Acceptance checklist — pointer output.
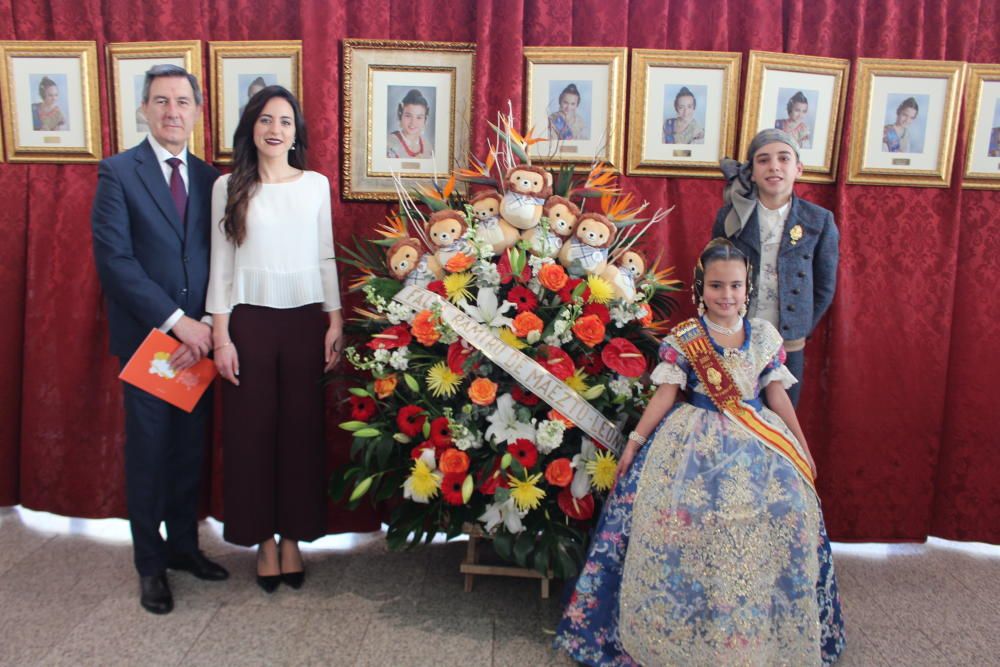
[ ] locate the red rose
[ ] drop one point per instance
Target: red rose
(556, 361)
(441, 433)
(523, 396)
(559, 472)
(410, 420)
(362, 408)
(598, 309)
(451, 488)
(589, 330)
(524, 451)
(391, 338)
(523, 298)
(624, 358)
(454, 462)
(580, 509)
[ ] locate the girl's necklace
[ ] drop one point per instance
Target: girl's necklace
(718, 328)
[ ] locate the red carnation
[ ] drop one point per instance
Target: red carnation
(492, 479)
(437, 286)
(362, 408)
(441, 433)
(451, 488)
(556, 361)
(523, 298)
(590, 363)
(624, 358)
(580, 509)
(524, 451)
(598, 309)
(410, 420)
(523, 396)
(506, 274)
(458, 353)
(391, 338)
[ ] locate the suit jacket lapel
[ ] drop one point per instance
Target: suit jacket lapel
(195, 195)
(151, 175)
(751, 236)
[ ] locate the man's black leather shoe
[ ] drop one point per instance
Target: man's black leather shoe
(155, 594)
(196, 563)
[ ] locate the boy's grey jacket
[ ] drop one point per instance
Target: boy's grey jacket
(807, 270)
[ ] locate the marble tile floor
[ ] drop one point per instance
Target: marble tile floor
(69, 597)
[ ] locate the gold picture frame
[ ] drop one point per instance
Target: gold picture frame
(597, 75)
(664, 79)
(982, 127)
(379, 77)
(70, 129)
(127, 64)
(776, 85)
(905, 121)
(239, 67)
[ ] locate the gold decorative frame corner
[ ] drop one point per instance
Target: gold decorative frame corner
(977, 75)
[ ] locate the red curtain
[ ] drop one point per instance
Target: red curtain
(896, 404)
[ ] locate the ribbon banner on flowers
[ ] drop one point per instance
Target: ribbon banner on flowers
(521, 367)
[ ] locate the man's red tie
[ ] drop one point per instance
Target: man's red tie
(177, 190)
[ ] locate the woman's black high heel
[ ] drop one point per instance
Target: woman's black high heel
(269, 582)
(294, 579)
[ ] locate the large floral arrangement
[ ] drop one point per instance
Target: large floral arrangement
(448, 438)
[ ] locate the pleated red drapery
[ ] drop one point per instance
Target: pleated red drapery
(898, 401)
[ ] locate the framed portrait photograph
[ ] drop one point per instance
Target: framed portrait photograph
(682, 119)
(240, 69)
(804, 96)
(407, 111)
(127, 66)
(905, 121)
(574, 97)
(982, 128)
(50, 101)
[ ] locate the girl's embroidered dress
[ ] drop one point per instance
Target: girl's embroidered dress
(711, 550)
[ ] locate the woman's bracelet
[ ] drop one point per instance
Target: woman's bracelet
(219, 347)
(637, 439)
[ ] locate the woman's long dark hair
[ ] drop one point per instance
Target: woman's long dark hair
(245, 179)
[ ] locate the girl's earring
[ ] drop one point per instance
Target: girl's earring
(701, 308)
(743, 310)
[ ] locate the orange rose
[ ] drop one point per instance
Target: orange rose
(646, 319)
(558, 417)
(423, 328)
(459, 263)
(482, 391)
(589, 329)
(527, 322)
(453, 462)
(553, 277)
(559, 472)
(385, 386)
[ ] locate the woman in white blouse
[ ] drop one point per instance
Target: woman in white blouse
(273, 277)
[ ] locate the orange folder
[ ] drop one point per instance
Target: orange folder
(148, 370)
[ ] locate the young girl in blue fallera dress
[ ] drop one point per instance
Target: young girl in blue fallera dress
(711, 549)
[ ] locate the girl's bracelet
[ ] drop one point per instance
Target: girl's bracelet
(219, 347)
(637, 439)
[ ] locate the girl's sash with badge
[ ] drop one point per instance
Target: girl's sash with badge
(725, 395)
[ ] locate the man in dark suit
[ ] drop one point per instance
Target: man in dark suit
(793, 245)
(151, 224)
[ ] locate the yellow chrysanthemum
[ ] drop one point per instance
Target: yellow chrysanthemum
(509, 337)
(577, 381)
(442, 381)
(423, 482)
(526, 495)
(456, 285)
(600, 289)
(602, 470)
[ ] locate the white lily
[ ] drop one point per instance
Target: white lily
(487, 311)
(504, 424)
(580, 486)
(506, 513)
